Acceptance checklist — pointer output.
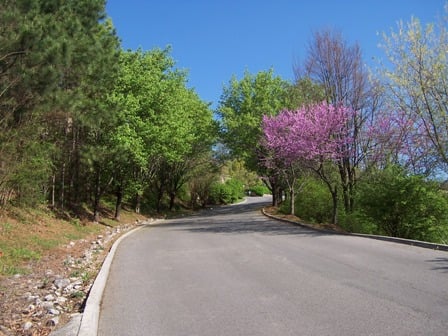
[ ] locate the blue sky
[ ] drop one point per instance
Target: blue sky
(214, 40)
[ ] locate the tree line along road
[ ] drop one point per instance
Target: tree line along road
(232, 271)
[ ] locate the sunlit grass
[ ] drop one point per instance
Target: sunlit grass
(26, 235)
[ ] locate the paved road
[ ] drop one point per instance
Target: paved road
(231, 271)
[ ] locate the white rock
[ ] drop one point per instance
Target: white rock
(61, 283)
(27, 325)
(62, 299)
(32, 298)
(49, 297)
(47, 305)
(54, 312)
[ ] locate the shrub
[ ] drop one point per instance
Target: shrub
(225, 193)
(313, 203)
(258, 190)
(403, 205)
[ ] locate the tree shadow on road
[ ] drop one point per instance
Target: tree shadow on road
(236, 219)
(265, 226)
(439, 264)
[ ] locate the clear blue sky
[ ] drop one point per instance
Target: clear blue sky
(214, 39)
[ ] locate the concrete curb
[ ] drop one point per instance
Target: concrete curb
(433, 246)
(90, 316)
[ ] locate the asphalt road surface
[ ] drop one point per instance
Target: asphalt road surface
(232, 271)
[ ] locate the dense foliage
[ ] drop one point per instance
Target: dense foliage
(403, 205)
(310, 137)
(228, 192)
(81, 119)
(350, 132)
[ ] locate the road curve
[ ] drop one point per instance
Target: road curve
(232, 271)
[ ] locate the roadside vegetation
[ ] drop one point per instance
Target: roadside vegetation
(361, 149)
(88, 129)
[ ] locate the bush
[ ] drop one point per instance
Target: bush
(314, 203)
(358, 222)
(402, 205)
(226, 193)
(258, 190)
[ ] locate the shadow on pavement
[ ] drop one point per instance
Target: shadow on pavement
(439, 264)
(236, 219)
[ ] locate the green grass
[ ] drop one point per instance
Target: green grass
(24, 253)
(13, 258)
(6, 228)
(28, 234)
(45, 244)
(6, 269)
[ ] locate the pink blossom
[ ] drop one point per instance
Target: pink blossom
(318, 132)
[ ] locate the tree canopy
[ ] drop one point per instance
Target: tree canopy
(81, 119)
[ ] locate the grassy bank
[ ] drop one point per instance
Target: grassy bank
(26, 235)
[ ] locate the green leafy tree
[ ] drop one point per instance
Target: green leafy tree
(163, 126)
(403, 205)
(136, 157)
(242, 106)
(203, 176)
(188, 132)
(241, 109)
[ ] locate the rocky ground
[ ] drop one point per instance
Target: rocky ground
(56, 287)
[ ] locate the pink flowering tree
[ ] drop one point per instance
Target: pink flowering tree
(316, 136)
(399, 138)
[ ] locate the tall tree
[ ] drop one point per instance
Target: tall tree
(28, 52)
(135, 93)
(57, 63)
(241, 109)
(338, 68)
(163, 126)
(313, 136)
(417, 85)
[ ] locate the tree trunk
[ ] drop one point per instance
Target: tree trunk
(343, 172)
(118, 203)
(97, 196)
(334, 196)
(53, 190)
(62, 201)
(172, 199)
(271, 183)
(291, 200)
(138, 199)
(275, 196)
(159, 200)
(333, 191)
(348, 180)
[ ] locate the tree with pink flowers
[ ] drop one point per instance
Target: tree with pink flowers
(317, 136)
